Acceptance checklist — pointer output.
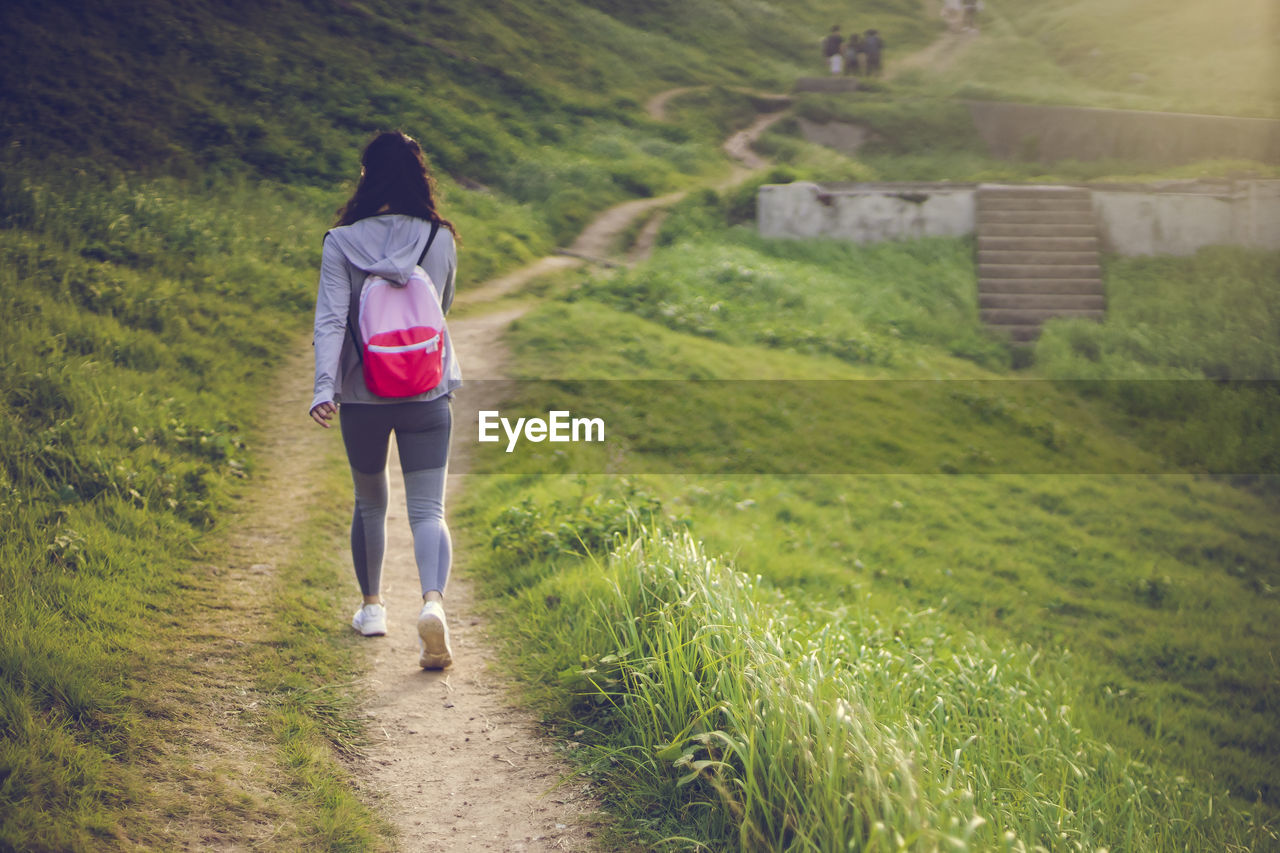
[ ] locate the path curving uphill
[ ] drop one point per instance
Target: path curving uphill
(459, 767)
(455, 764)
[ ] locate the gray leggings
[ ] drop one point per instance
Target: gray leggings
(422, 438)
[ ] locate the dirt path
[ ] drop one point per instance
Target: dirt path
(454, 764)
(940, 55)
(738, 146)
(656, 106)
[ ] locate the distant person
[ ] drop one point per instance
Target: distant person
(388, 227)
(852, 49)
(952, 14)
(971, 10)
(872, 49)
(831, 50)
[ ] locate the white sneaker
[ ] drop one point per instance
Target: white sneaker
(433, 637)
(371, 620)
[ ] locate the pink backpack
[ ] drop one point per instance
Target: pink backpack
(402, 332)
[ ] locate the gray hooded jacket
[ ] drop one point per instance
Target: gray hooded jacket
(389, 246)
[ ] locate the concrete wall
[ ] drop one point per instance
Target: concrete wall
(841, 136)
(865, 213)
(1047, 133)
(1170, 218)
(1177, 218)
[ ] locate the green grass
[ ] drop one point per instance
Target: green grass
(1198, 334)
(488, 89)
(1146, 602)
(163, 190)
(1209, 316)
(158, 262)
(795, 295)
(137, 315)
(721, 712)
(1179, 56)
(1182, 56)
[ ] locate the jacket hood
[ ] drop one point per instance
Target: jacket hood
(387, 245)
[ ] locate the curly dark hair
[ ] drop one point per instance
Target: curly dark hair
(394, 178)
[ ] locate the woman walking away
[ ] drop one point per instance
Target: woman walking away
(384, 364)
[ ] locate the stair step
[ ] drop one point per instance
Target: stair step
(1051, 301)
(986, 203)
(1019, 333)
(1089, 286)
(1037, 258)
(1037, 229)
(1057, 216)
(1030, 256)
(986, 271)
(1027, 316)
(1037, 243)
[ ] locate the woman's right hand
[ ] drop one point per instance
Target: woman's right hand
(323, 412)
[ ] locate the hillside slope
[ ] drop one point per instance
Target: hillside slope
(166, 170)
(289, 89)
(1186, 56)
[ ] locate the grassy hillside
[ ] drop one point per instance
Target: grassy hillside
(166, 171)
(288, 92)
(1187, 56)
(1137, 607)
(143, 312)
(135, 321)
(289, 89)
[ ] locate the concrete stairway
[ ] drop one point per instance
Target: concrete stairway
(1037, 257)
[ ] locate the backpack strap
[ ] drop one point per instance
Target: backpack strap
(435, 228)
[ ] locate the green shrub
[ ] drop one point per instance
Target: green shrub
(721, 713)
(1187, 352)
(862, 304)
(922, 125)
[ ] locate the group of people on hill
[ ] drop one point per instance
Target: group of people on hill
(859, 54)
